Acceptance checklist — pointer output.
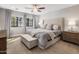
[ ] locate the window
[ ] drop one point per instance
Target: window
(29, 22)
(16, 21)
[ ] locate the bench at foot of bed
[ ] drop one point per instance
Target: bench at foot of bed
(29, 41)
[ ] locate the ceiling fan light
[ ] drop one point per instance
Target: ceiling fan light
(35, 9)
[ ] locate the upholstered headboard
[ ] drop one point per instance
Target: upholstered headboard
(55, 21)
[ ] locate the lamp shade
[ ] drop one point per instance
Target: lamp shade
(71, 23)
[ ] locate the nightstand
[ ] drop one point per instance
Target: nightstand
(71, 37)
(3, 42)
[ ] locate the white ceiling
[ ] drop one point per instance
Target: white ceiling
(48, 7)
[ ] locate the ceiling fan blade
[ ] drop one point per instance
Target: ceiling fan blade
(41, 8)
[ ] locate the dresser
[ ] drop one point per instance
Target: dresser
(3, 40)
(71, 37)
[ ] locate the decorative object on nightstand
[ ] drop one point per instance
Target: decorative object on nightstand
(71, 25)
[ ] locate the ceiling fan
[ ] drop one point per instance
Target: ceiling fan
(36, 8)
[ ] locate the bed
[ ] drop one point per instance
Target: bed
(45, 37)
(48, 32)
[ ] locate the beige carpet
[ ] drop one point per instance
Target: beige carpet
(14, 46)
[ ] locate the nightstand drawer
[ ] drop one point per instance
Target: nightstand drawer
(71, 34)
(71, 37)
(3, 44)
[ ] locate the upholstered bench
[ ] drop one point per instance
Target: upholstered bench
(28, 40)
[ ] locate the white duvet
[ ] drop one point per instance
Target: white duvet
(50, 32)
(43, 40)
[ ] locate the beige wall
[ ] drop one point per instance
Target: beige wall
(2, 19)
(71, 13)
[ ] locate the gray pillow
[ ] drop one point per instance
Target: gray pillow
(49, 27)
(56, 27)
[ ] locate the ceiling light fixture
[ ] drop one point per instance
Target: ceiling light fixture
(35, 8)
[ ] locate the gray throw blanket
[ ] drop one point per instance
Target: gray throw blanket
(42, 39)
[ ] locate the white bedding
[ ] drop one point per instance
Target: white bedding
(50, 32)
(43, 35)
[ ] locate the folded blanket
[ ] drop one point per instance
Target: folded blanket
(42, 39)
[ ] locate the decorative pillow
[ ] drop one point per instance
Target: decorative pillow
(49, 26)
(55, 27)
(43, 26)
(52, 27)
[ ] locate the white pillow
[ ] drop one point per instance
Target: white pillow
(48, 26)
(55, 27)
(43, 26)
